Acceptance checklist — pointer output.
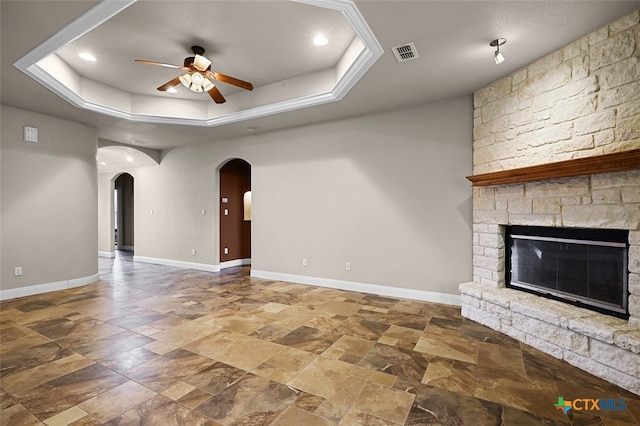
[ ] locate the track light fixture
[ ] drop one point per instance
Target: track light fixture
(497, 56)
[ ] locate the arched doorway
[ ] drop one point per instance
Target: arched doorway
(235, 213)
(123, 208)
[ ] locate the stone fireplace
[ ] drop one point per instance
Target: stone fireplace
(582, 101)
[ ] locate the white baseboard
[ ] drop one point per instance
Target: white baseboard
(235, 262)
(13, 293)
(404, 293)
(109, 254)
(177, 263)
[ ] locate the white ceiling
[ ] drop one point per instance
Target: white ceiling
(268, 43)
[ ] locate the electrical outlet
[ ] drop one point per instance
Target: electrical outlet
(193, 252)
(304, 262)
(347, 266)
(18, 271)
(226, 250)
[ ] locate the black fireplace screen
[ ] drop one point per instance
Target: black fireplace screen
(585, 267)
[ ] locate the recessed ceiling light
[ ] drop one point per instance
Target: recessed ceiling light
(172, 90)
(320, 41)
(130, 159)
(87, 56)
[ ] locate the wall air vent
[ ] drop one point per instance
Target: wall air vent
(405, 52)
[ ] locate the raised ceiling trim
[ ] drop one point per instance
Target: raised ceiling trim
(106, 9)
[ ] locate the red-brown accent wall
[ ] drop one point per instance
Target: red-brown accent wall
(235, 232)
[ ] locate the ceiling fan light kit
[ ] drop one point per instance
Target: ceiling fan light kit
(199, 75)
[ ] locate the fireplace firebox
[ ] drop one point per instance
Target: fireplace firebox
(583, 267)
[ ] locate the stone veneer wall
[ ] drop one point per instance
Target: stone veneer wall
(582, 100)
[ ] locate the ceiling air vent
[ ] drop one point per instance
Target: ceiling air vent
(405, 52)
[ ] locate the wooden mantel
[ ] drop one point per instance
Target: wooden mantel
(607, 163)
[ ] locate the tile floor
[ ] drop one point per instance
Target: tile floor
(157, 345)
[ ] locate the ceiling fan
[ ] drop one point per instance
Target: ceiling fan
(199, 76)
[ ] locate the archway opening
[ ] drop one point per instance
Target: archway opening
(235, 223)
(123, 213)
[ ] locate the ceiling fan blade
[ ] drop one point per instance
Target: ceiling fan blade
(144, 61)
(230, 80)
(169, 84)
(216, 95)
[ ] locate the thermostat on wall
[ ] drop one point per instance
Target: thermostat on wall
(30, 134)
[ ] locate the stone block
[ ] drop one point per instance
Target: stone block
(620, 73)
(569, 201)
(597, 326)
(575, 89)
(619, 95)
(514, 333)
(545, 136)
(509, 192)
(598, 35)
(491, 240)
(628, 109)
(482, 272)
(634, 237)
(534, 219)
(630, 195)
(570, 110)
(621, 146)
(579, 67)
(471, 301)
(606, 196)
(500, 107)
(625, 22)
(545, 64)
(521, 118)
(634, 283)
(601, 216)
(495, 310)
(634, 304)
(496, 90)
(471, 289)
(495, 152)
(493, 283)
(544, 346)
(595, 122)
(629, 339)
(499, 125)
(570, 187)
(628, 129)
(484, 203)
(522, 206)
(548, 311)
(519, 76)
(626, 381)
(615, 357)
(609, 180)
(578, 47)
(555, 335)
(547, 205)
(478, 250)
(575, 144)
(482, 216)
(481, 317)
(604, 137)
(554, 77)
(613, 49)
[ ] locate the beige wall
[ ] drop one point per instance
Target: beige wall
(49, 203)
(385, 192)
